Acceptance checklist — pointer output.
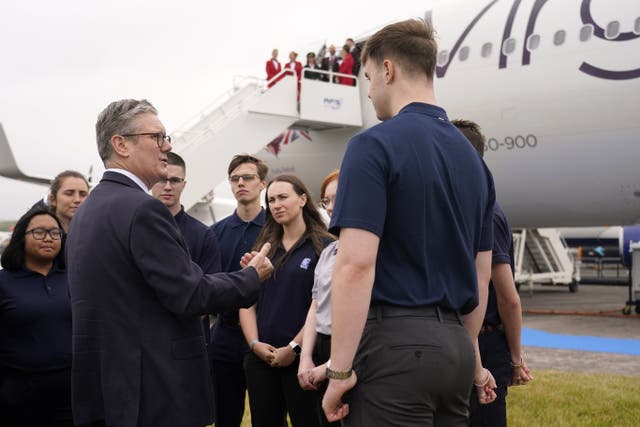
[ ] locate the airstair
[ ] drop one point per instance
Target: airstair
(252, 114)
(542, 256)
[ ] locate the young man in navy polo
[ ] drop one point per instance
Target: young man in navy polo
(499, 338)
(414, 211)
(201, 241)
(237, 234)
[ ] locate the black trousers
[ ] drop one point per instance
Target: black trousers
(495, 355)
(322, 353)
(275, 391)
(229, 390)
(415, 367)
(35, 399)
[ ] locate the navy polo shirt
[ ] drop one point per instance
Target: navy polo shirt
(502, 254)
(201, 242)
(417, 183)
(285, 297)
(236, 237)
(35, 320)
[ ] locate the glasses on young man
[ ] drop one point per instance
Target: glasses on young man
(173, 181)
(160, 137)
(246, 178)
(40, 233)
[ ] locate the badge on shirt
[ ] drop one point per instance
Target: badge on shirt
(305, 263)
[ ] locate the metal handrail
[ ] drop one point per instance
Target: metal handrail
(331, 74)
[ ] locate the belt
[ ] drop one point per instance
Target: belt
(488, 329)
(381, 311)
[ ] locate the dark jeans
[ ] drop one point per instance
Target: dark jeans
(275, 391)
(415, 367)
(495, 355)
(35, 399)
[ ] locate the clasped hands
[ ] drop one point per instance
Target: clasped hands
(280, 357)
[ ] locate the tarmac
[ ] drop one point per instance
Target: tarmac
(583, 331)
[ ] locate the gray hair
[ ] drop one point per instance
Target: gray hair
(118, 119)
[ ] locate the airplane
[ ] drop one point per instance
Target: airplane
(555, 86)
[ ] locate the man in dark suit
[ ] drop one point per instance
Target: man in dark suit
(330, 62)
(139, 355)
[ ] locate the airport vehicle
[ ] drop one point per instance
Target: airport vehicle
(555, 85)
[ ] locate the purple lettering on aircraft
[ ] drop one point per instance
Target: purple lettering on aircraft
(585, 14)
(598, 31)
(533, 17)
(507, 32)
(441, 71)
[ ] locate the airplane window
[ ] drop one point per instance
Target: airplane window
(443, 57)
(559, 36)
(613, 29)
(533, 42)
(586, 32)
(636, 26)
(509, 46)
(464, 53)
(486, 50)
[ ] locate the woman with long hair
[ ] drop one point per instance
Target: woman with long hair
(317, 327)
(35, 326)
(273, 327)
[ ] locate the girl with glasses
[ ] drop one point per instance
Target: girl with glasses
(35, 326)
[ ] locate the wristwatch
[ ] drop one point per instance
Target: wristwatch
(295, 347)
(338, 375)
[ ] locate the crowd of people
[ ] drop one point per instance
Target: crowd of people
(117, 308)
(319, 67)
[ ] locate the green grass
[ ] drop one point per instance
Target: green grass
(567, 399)
(558, 398)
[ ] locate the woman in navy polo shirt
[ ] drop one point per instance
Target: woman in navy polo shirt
(273, 327)
(35, 326)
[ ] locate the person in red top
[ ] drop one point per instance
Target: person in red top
(273, 67)
(296, 66)
(346, 67)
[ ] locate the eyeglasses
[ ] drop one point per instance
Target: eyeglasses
(325, 202)
(247, 177)
(174, 181)
(40, 233)
(160, 137)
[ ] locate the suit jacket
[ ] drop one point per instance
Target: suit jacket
(272, 69)
(139, 355)
(297, 67)
(325, 65)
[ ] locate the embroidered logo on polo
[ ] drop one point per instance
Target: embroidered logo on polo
(305, 263)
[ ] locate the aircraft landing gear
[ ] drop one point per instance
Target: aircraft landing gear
(573, 286)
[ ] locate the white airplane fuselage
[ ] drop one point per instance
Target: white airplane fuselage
(562, 122)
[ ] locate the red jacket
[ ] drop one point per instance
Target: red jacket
(346, 67)
(297, 67)
(273, 68)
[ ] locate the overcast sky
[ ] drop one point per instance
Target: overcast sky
(63, 61)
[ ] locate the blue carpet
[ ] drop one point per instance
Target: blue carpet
(537, 338)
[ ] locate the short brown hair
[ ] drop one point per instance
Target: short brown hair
(239, 159)
(411, 43)
(472, 132)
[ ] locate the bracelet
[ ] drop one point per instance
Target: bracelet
(517, 365)
(484, 383)
(253, 343)
(338, 375)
